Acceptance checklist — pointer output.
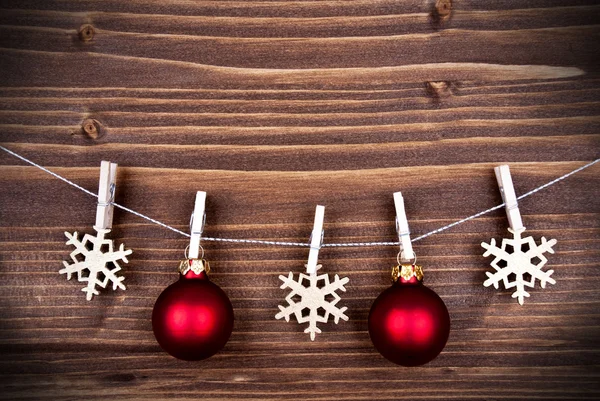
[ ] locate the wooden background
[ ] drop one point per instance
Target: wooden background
(273, 107)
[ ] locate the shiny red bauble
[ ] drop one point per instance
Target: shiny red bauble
(409, 323)
(192, 318)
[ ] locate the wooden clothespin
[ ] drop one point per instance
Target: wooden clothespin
(316, 240)
(106, 195)
(197, 225)
(406, 250)
(507, 190)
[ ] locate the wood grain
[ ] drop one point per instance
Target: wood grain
(272, 107)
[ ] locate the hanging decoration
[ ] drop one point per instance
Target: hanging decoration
(94, 259)
(408, 323)
(519, 261)
(192, 319)
(313, 306)
(313, 299)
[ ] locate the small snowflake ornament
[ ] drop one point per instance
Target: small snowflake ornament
(312, 300)
(98, 254)
(519, 257)
(94, 259)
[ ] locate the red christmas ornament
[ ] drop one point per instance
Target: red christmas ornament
(409, 323)
(192, 318)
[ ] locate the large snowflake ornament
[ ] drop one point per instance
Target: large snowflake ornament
(97, 253)
(516, 258)
(313, 300)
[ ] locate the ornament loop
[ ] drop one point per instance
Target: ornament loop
(400, 257)
(185, 253)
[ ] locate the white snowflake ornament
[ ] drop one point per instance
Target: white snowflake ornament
(94, 268)
(519, 257)
(313, 300)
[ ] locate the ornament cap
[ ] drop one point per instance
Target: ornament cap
(407, 274)
(196, 266)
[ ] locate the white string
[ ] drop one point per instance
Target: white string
(302, 244)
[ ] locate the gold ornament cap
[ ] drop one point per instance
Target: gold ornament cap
(196, 265)
(405, 273)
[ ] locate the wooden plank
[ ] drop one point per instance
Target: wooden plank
(118, 70)
(571, 45)
(310, 158)
(395, 22)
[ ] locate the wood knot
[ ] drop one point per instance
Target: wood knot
(441, 12)
(92, 128)
(86, 32)
(439, 89)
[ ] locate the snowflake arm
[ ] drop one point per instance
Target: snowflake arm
(536, 271)
(335, 312)
(288, 281)
(74, 268)
(79, 249)
(492, 249)
(337, 284)
(330, 307)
